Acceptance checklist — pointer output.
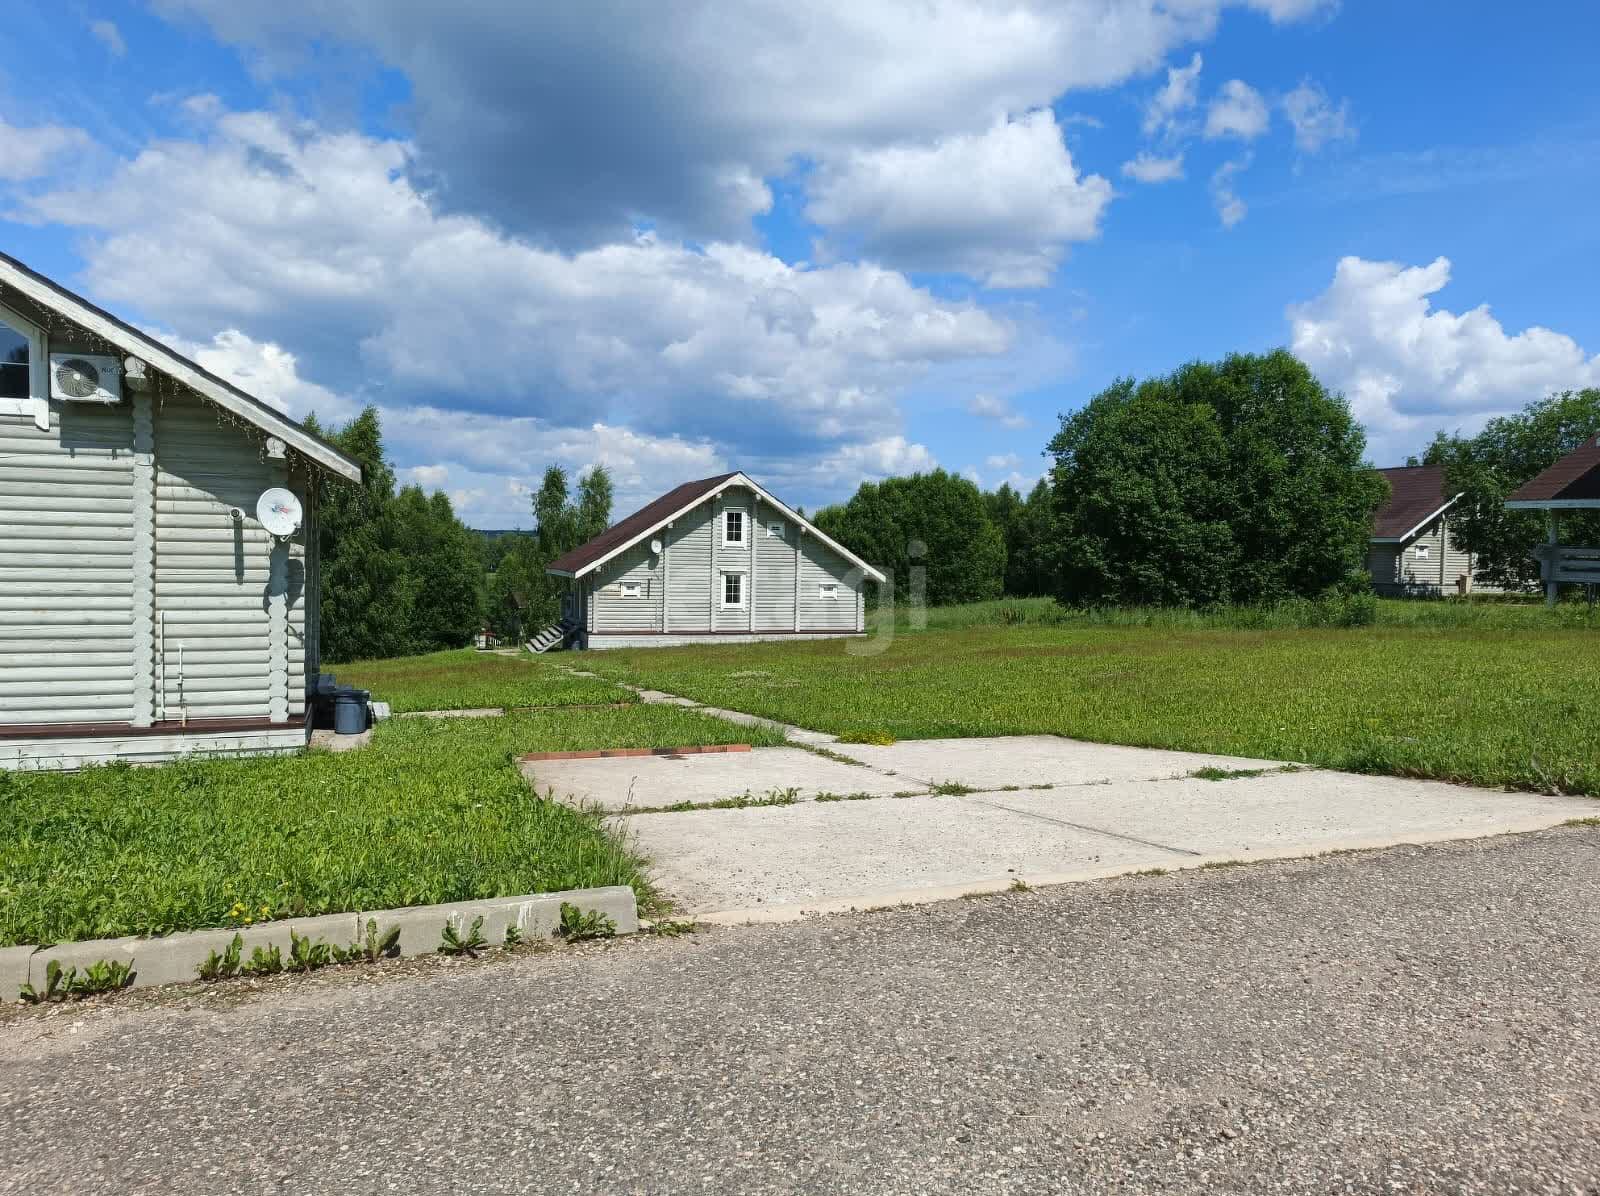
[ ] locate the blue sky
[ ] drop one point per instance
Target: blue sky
(821, 243)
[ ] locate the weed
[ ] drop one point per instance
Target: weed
(844, 797)
(578, 925)
(1018, 885)
(453, 943)
(744, 801)
(264, 961)
(308, 956)
(952, 789)
(875, 738)
(102, 976)
(669, 929)
(1149, 872)
(226, 965)
(377, 946)
(513, 935)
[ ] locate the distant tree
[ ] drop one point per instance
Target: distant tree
(400, 573)
(1031, 553)
(1240, 481)
(1485, 469)
(594, 504)
(935, 521)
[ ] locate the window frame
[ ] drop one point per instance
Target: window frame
(636, 586)
(1421, 551)
(744, 589)
(37, 404)
(744, 527)
(828, 590)
(777, 529)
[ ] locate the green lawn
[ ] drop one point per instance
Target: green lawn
(466, 679)
(1490, 705)
(430, 811)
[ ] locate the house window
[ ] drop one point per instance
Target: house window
(828, 589)
(1421, 550)
(775, 531)
(15, 364)
(632, 589)
(733, 590)
(733, 528)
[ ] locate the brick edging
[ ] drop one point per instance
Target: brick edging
(705, 749)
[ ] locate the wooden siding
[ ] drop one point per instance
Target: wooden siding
(689, 552)
(614, 613)
(1401, 568)
(67, 566)
(820, 564)
(775, 565)
(228, 600)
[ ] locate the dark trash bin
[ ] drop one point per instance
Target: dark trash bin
(350, 711)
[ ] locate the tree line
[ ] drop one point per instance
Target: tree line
(402, 575)
(1236, 482)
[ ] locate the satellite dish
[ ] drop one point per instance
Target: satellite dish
(278, 511)
(655, 547)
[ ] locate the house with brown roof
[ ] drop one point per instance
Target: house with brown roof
(719, 560)
(1412, 551)
(1571, 484)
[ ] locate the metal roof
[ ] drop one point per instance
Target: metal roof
(1416, 499)
(1573, 481)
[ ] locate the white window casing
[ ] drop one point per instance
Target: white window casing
(1421, 550)
(733, 527)
(828, 589)
(631, 589)
(775, 530)
(37, 404)
(735, 590)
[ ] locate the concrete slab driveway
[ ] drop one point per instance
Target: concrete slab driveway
(1040, 810)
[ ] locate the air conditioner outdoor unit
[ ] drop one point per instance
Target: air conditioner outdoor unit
(83, 378)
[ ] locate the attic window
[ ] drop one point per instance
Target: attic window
(1421, 550)
(15, 364)
(733, 527)
(828, 589)
(775, 531)
(631, 589)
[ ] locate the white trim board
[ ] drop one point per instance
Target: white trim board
(738, 479)
(229, 398)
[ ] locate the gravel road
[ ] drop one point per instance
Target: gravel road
(1415, 1020)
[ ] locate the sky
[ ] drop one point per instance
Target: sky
(822, 243)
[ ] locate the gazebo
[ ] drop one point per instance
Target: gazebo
(1571, 484)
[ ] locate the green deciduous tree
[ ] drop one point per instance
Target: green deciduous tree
(1240, 481)
(933, 521)
(1485, 469)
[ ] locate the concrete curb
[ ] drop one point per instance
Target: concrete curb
(176, 958)
(708, 749)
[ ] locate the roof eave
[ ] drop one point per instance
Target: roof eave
(227, 396)
(1552, 504)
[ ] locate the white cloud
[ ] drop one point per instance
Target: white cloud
(27, 152)
(1230, 208)
(1317, 122)
(1409, 368)
(1001, 205)
(1176, 97)
(991, 407)
(264, 370)
(429, 477)
(320, 241)
(1003, 461)
(1150, 168)
(109, 36)
(1237, 111)
(574, 122)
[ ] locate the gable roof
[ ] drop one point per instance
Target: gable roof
(1572, 481)
(1416, 499)
(679, 501)
(52, 295)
